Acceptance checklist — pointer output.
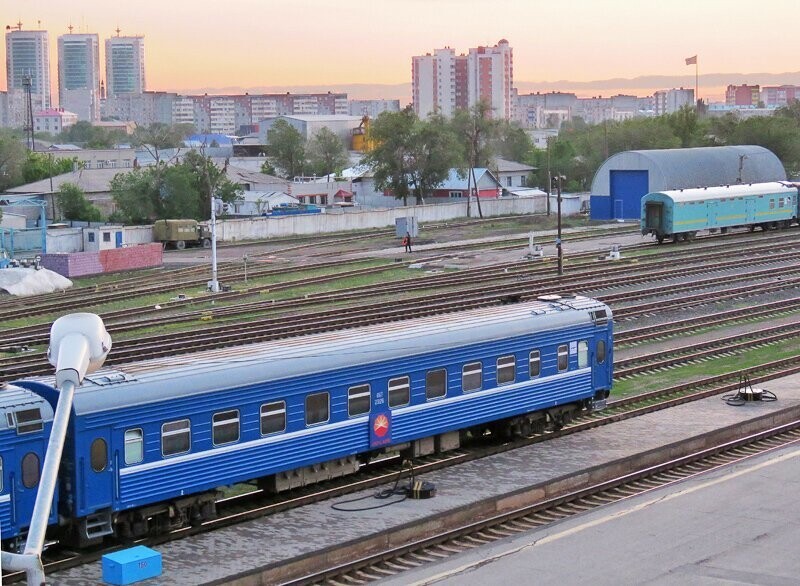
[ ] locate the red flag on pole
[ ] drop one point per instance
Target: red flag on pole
(691, 60)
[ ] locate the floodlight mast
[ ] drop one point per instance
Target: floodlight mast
(79, 344)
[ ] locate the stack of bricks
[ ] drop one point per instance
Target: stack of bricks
(80, 264)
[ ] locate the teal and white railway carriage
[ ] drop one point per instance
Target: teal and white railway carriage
(680, 214)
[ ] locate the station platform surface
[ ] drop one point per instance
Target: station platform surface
(273, 542)
(735, 525)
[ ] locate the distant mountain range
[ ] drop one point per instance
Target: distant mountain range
(711, 85)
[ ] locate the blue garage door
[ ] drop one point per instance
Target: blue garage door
(627, 190)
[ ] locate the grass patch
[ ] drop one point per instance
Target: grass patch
(692, 372)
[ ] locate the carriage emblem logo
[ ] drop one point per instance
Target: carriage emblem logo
(381, 425)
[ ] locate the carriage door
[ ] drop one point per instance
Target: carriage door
(97, 471)
(653, 211)
(601, 354)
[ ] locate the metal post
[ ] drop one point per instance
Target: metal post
(245, 268)
(214, 284)
(558, 240)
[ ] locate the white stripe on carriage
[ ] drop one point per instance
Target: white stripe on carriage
(280, 437)
(5, 498)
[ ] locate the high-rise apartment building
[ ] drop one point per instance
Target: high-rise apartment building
(445, 82)
(490, 78)
(79, 75)
(28, 55)
(125, 66)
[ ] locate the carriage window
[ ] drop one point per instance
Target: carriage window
(98, 454)
(772, 204)
(317, 408)
(399, 391)
(436, 383)
(134, 446)
(583, 354)
(471, 379)
(506, 369)
(535, 363)
(273, 417)
(358, 400)
(225, 427)
(780, 202)
(601, 351)
(176, 437)
(29, 421)
(563, 358)
(30, 470)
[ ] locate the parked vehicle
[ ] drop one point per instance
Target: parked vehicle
(182, 233)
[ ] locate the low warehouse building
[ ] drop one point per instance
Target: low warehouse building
(623, 179)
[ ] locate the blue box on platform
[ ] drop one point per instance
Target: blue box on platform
(131, 565)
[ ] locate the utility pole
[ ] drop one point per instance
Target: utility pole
(557, 181)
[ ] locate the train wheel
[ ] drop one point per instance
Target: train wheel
(752, 227)
(690, 235)
(676, 238)
(660, 239)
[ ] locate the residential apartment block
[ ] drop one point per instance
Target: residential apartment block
(742, 95)
(778, 96)
(669, 101)
(373, 108)
(444, 82)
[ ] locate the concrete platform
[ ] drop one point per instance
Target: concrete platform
(267, 551)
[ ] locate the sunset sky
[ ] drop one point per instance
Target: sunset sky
(247, 43)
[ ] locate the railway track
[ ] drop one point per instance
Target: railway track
(392, 562)
(257, 505)
(293, 325)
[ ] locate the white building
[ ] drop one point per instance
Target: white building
(125, 66)
(373, 108)
(669, 101)
(28, 56)
(79, 75)
(340, 124)
(53, 120)
(490, 77)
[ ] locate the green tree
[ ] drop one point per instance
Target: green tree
(433, 152)
(288, 148)
(74, 205)
(41, 166)
(686, 126)
(326, 152)
(137, 196)
(159, 136)
(390, 160)
(12, 158)
(478, 134)
(92, 137)
(513, 143)
(166, 191)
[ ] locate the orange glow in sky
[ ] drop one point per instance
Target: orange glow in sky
(192, 44)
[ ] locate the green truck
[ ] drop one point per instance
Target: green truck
(181, 233)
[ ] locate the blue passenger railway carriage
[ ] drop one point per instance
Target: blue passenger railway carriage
(680, 214)
(25, 422)
(150, 443)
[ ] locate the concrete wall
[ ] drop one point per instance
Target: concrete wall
(78, 264)
(135, 235)
(65, 240)
(229, 230)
